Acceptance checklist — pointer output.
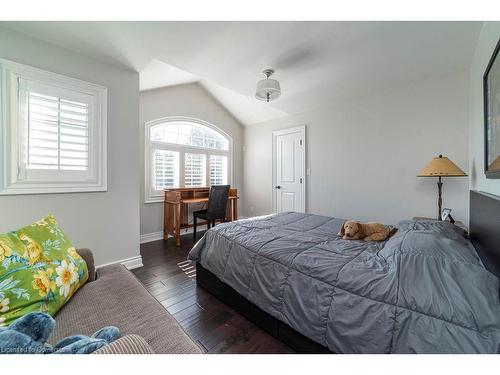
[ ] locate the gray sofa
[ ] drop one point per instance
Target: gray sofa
(113, 296)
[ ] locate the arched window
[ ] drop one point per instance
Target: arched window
(185, 152)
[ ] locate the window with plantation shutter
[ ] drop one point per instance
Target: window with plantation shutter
(184, 152)
(56, 127)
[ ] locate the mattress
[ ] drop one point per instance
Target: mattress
(424, 290)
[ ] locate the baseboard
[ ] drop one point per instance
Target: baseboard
(156, 236)
(129, 263)
(150, 237)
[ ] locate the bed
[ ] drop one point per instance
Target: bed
(425, 290)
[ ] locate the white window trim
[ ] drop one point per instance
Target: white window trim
(149, 195)
(10, 181)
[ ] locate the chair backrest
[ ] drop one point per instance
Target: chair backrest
(217, 201)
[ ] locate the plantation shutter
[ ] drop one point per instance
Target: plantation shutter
(58, 131)
(218, 170)
(195, 173)
(166, 169)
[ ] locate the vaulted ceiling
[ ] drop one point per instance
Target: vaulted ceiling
(317, 63)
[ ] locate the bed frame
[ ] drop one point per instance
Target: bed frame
(484, 235)
(255, 314)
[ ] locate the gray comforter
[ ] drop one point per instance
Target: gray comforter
(424, 290)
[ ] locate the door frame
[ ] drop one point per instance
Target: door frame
(276, 133)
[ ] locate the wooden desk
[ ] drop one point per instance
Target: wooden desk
(175, 214)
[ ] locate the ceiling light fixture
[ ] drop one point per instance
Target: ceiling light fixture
(268, 89)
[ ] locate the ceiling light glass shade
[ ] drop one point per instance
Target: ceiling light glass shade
(268, 89)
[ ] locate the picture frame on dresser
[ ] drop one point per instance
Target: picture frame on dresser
(491, 97)
(446, 214)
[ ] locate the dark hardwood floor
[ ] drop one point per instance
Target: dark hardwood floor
(216, 327)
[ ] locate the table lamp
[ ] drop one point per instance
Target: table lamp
(441, 167)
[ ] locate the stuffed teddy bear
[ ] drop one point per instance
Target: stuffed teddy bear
(29, 334)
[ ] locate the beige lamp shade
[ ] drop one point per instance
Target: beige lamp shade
(441, 167)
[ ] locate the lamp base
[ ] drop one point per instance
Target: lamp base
(440, 197)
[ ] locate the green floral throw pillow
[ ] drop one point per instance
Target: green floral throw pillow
(39, 270)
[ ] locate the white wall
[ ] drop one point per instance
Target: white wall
(106, 222)
(189, 100)
(488, 39)
(364, 155)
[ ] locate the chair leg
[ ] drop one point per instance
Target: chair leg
(208, 224)
(213, 223)
(194, 227)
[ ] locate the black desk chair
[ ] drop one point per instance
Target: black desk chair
(216, 209)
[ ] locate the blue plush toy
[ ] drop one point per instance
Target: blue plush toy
(29, 334)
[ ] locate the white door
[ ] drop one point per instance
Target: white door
(289, 170)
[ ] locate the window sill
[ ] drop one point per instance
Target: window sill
(53, 190)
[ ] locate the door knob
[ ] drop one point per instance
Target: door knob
(278, 187)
